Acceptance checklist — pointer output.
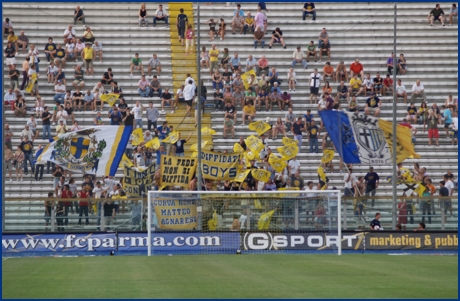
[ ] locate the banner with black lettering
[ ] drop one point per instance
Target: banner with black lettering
(136, 182)
(378, 240)
(176, 214)
(219, 166)
(177, 171)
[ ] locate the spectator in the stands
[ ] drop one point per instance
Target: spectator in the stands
(388, 85)
(166, 99)
(77, 99)
(341, 72)
(23, 41)
(251, 63)
(342, 92)
(143, 86)
(249, 111)
(249, 23)
(89, 101)
(189, 35)
(309, 9)
(325, 49)
(368, 84)
(78, 15)
(10, 54)
(87, 55)
(408, 125)
(225, 61)
(217, 80)
(18, 162)
(356, 68)
(262, 65)
(273, 77)
(213, 59)
(229, 126)
(418, 90)
(252, 82)
(401, 66)
(238, 19)
(455, 128)
(51, 72)
(181, 23)
(277, 37)
(33, 54)
(328, 71)
(356, 86)
(142, 14)
(59, 59)
(161, 15)
(250, 95)
(261, 19)
(235, 62)
(298, 56)
(70, 50)
(390, 63)
(311, 50)
(60, 92)
(230, 111)
(79, 46)
(286, 101)
(204, 61)
(154, 64)
(222, 29)
(259, 37)
(20, 107)
(212, 29)
(155, 87)
(88, 36)
(275, 98)
(433, 127)
(412, 113)
(107, 77)
(278, 128)
(7, 26)
(291, 79)
(453, 13)
(97, 46)
(14, 77)
(238, 97)
(447, 114)
(180, 94)
(315, 83)
(378, 84)
(152, 114)
(353, 105)
(436, 14)
(218, 99)
(136, 64)
(372, 105)
(323, 37)
(401, 90)
(13, 40)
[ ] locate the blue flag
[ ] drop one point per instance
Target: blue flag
(340, 131)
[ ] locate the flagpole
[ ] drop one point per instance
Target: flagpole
(393, 223)
(198, 91)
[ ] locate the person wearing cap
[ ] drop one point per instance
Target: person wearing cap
(372, 105)
(143, 86)
(60, 92)
(298, 56)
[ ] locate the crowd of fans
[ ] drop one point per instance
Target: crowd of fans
(239, 99)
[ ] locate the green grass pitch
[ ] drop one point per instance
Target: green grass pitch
(232, 276)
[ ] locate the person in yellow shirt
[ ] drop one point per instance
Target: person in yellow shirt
(250, 111)
(248, 23)
(214, 59)
(356, 85)
(87, 55)
(13, 40)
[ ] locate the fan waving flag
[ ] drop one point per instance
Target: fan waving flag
(137, 136)
(357, 137)
(264, 220)
(95, 150)
(259, 127)
(404, 147)
(110, 98)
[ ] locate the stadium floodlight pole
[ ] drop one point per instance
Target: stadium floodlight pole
(198, 91)
(393, 220)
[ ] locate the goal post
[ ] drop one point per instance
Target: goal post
(219, 222)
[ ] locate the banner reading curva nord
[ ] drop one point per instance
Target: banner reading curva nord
(176, 214)
(176, 171)
(219, 166)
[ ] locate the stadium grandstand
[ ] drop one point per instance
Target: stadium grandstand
(129, 46)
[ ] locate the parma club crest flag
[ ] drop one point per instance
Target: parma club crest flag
(95, 150)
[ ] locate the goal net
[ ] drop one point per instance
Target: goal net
(210, 222)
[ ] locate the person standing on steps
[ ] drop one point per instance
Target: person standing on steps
(182, 23)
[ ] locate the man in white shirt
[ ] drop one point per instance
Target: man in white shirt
(60, 92)
(62, 115)
(401, 90)
(154, 64)
(189, 77)
(298, 57)
(69, 34)
(315, 82)
(312, 200)
(160, 15)
(27, 132)
(350, 183)
(10, 96)
(454, 125)
(180, 94)
(449, 185)
(143, 87)
(293, 166)
(189, 93)
(418, 91)
(70, 50)
(137, 111)
(368, 82)
(89, 100)
(251, 63)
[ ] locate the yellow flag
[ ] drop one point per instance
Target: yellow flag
(241, 176)
(257, 204)
(245, 76)
(138, 137)
(259, 127)
(328, 155)
(287, 141)
(125, 162)
(31, 83)
(282, 195)
(212, 223)
(407, 176)
(264, 220)
(172, 138)
(254, 144)
(420, 189)
(110, 98)
(208, 131)
(237, 148)
(119, 197)
(194, 147)
(321, 173)
(261, 174)
(288, 151)
(277, 163)
(194, 155)
(153, 144)
(404, 148)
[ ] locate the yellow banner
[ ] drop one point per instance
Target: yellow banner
(194, 146)
(404, 147)
(172, 138)
(176, 215)
(264, 220)
(287, 141)
(254, 144)
(110, 98)
(136, 182)
(31, 84)
(321, 173)
(153, 144)
(245, 76)
(241, 176)
(288, 151)
(219, 166)
(261, 174)
(259, 127)
(137, 136)
(176, 171)
(277, 163)
(328, 155)
(208, 131)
